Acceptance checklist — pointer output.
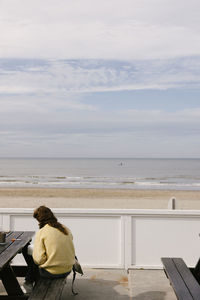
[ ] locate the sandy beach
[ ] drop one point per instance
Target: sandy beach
(98, 198)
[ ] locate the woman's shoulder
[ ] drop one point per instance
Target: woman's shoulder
(53, 230)
(44, 229)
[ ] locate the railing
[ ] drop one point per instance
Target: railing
(121, 238)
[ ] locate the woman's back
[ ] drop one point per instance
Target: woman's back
(54, 250)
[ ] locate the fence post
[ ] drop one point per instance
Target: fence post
(128, 241)
(172, 203)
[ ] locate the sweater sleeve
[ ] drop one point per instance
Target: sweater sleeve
(39, 251)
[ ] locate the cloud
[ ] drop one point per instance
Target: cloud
(120, 30)
(58, 58)
(119, 133)
(52, 118)
(101, 138)
(62, 78)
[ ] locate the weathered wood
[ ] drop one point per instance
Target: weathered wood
(9, 238)
(6, 297)
(55, 289)
(40, 289)
(196, 271)
(48, 289)
(20, 271)
(188, 278)
(15, 242)
(45, 289)
(181, 278)
(176, 281)
(10, 282)
(12, 248)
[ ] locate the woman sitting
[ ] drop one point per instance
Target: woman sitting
(53, 252)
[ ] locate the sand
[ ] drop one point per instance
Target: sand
(98, 198)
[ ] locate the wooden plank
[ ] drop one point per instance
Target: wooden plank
(40, 289)
(7, 297)
(188, 278)
(8, 243)
(176, 280)
(23, 239)
(15, 247)
(48, 289)
(9, 238)
(55, 289)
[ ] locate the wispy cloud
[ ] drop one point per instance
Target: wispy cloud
(62, 77)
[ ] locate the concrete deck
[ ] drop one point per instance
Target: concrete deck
(100, 284)
(117, 284)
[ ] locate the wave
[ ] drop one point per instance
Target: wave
(125, 182)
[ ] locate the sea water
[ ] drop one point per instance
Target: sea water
(125, 173)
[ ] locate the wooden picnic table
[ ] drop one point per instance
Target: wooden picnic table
(184, 280)
(15, 242)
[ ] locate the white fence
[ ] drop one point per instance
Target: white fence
(113, 238)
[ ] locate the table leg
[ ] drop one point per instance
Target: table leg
(10, 282)
(6, 297)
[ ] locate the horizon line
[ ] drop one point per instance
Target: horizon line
(96, 157)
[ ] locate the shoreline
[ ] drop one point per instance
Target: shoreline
(98, 198)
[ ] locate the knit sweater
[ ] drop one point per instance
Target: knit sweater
(53, 250)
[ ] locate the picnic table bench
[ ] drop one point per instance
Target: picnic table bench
(48, 289)
(45, 289)
(184, 280)
(15, 242)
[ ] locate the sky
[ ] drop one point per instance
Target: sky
(117, 78)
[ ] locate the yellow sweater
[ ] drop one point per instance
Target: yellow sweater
(53, 250)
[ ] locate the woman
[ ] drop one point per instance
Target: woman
(53, 250)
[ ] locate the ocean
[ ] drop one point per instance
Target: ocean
(117, 173)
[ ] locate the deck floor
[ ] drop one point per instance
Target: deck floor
(101, 284)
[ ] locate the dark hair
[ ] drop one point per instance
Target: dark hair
(44, 216)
